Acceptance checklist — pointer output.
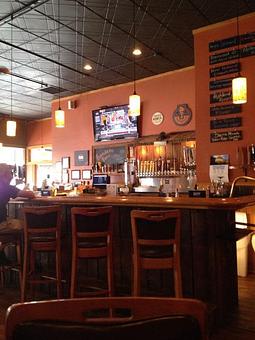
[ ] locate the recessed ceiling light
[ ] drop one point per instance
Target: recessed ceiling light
(87, 67)
(137, 51)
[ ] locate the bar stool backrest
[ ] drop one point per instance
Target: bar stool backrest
(156, 244)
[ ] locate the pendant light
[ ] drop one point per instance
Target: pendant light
(134, 99)
(11, 124)
(59, 114)
(239, 84)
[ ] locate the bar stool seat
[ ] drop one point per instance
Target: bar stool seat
(91, 241)
(42, 234)
(156, 245)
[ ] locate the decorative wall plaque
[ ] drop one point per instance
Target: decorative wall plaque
(182, 115)
(157, 118)
(226, 136)
(225, 109)
(81, 157)
(225, 123)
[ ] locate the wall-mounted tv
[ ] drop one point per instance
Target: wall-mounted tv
(114, 123)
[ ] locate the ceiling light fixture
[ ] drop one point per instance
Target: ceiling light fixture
(134, 99)
(137, 51)
(239, 84)
(11, 124)
(59, 114)
(88, 67)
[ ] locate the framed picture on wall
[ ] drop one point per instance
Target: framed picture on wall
(75, 174)
(81, 157)
(65, 176)
(86, 174)
(65, 162)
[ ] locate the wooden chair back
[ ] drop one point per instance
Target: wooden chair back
(109, 319)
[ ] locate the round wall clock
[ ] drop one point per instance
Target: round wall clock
(182, 115)
(157, 118)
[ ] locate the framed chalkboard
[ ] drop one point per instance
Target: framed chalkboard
(232, 41)
(225, 123)
(220, 84)
(110, 154)
(225, 109)
(226, 136)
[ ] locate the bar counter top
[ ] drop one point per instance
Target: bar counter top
(152, 201)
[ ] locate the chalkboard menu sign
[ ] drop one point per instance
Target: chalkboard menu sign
(220, 84)
(226, 136)
(225, 56)
(110, 154)
(225, 109)
(226, 69)
(218, 97)
(232, 41)
(225, 123)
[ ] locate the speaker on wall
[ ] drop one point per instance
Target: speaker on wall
(71, 104)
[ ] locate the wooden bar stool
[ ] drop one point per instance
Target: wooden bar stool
(91, 240)
(10, 238)
(156, 245)
(42, 234)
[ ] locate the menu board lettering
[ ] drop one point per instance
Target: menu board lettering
(225, 109)
(226, 136)
(232, 41)
(220, 84)
(218, 97)
(225, 123)
(226, 69)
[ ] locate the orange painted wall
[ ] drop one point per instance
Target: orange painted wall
(204, 147)
(159, 93)
(39, 132)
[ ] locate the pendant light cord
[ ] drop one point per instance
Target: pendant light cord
(59, 55)
(11, 60)
(134, 42)
(238, 36)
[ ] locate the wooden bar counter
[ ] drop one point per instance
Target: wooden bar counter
(208, 245)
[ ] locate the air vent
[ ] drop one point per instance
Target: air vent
(53, 89)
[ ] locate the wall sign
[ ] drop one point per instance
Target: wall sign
(230, 55)
(81, 157)
(157, 118)
(110, 154)
(226, 69)
(226, 136)
(182, 115)
(220, 84)
(225, 109)
(225, 123)
(232, 41)
(218, 97)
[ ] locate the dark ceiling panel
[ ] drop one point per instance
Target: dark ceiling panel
(99, 32)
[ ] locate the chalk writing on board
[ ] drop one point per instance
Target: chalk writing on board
(226, 69)
(225, 109)
(231, 41)
(110, 154)
(230, 55)
(225, 123)
(220, 84)
(226, 136)
(218, 97)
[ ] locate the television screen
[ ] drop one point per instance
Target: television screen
(114, 123)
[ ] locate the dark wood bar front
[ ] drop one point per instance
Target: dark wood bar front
(208, 247)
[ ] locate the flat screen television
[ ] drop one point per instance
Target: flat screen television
(114, 123)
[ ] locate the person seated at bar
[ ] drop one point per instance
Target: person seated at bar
(8, 191)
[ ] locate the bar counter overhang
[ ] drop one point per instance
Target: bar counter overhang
(208, 245)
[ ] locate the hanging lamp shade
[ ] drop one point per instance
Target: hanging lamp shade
(239, 90)
(11, 128)
(134, 105)
(60, 118)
